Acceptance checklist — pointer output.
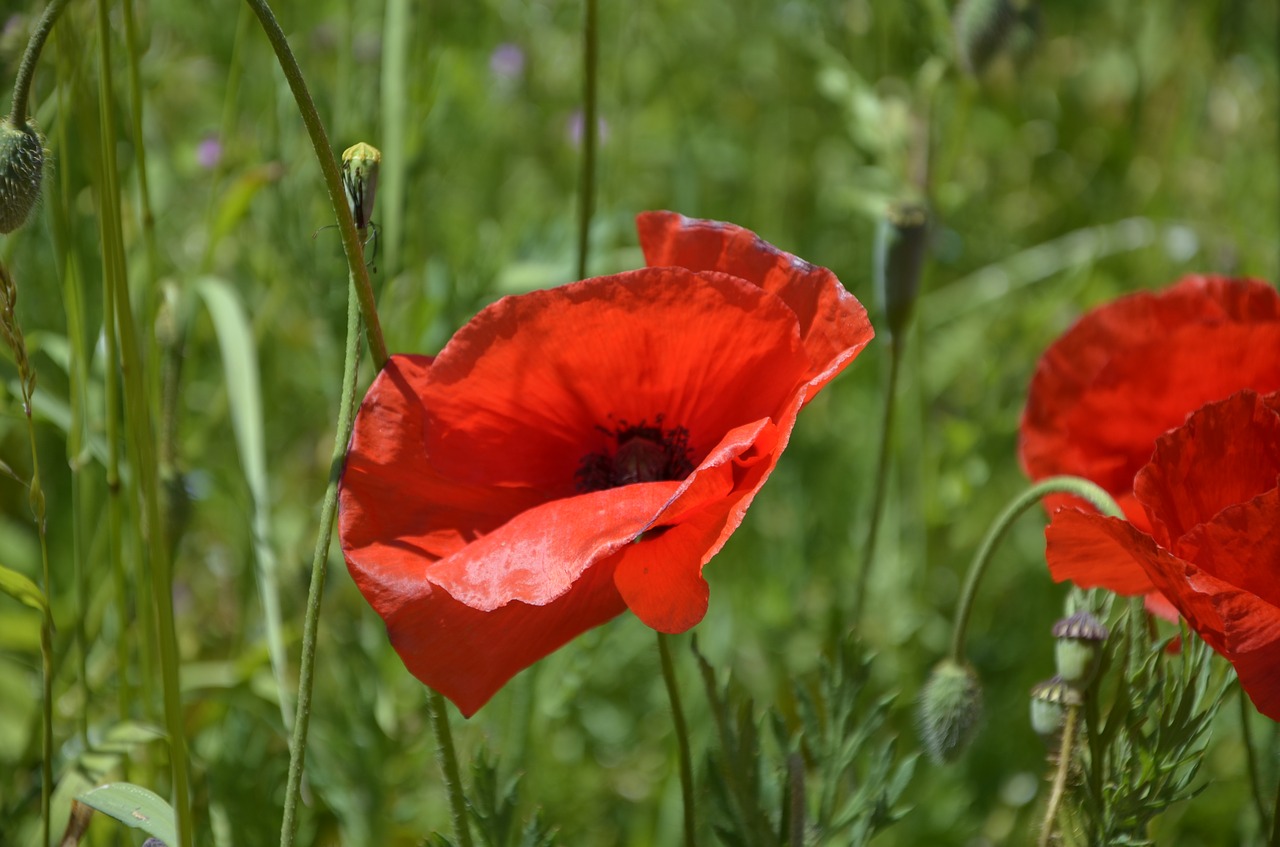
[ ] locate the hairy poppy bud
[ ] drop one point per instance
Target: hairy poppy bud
(950, 709)
(899, 258)
(1079, 647)
(21, 168)
(1049, 701)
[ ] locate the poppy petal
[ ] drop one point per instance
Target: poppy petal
(1225, 454)
(391, 495)
(467, 654)
(833, 324)
(533, 383)
(539, 554)
(1094, 551)
(660, 577)
(1091, 409)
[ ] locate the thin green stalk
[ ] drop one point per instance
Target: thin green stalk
(351, 242)
(1060, 777)
(449, 766)
(27, 70)
(398, 67)
(1251, 759)
(319, 560)
(682, 741)
(881, 479)
(1082, 488)
(11, 333)
(142, 433)
(587, 200)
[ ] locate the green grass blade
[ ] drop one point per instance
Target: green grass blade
(244, 392)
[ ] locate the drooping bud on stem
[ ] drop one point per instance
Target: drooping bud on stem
(21, 171)
(900, 247)
(950, 710)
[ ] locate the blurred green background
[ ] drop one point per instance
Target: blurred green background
(1121, 146)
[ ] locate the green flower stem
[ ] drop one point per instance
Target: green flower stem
(1251, 759)
(27, 70)
(141, 439)
(332, 177)
(682, 740)
(882, 476)
(587, 200)
(306, 671)
(449, 766)
(1060, 776)
(1082, 488)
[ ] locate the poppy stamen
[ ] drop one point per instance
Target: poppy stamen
(644, 453)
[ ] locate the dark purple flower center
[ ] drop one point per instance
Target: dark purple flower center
(643, 453)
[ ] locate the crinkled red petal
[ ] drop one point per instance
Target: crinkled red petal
(660, 578)
(1094, 551)
(467, 654)
(1131, 369)
(833, 324)
(520, 394)
(1225, 454)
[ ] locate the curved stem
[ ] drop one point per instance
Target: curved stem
(1082, 488)
(332, 177)
(449, 765)
(682, 740)
(586, 202)
(882, 476)
(27, 70)
(319, 560)
(1060, 777)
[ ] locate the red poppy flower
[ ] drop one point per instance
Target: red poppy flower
(1212, 499)
(1136, 367)
(583, 450)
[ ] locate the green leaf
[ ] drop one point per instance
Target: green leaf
(135, 807)
(244, 393)
(22, 589)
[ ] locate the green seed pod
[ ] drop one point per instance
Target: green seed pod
(1049, 701)
(950, 710)
(21, 169)
(901, 238)
(1079, 648)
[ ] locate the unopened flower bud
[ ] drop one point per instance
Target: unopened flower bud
(1049, 701)
(950, 710)
(900, 247)
(21, 169)
(1079, 648)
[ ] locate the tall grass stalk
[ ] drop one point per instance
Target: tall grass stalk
(587, 181)
(319, 560)
(881, 481)
(12, 335)
(140, 437)
(682, 741)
